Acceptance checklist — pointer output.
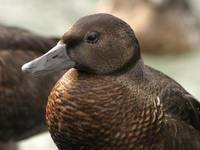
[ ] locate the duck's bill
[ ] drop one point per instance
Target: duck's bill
(54, 60)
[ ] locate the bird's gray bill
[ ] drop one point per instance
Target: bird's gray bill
(54, 60)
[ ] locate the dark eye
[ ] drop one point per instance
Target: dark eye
(92, 37)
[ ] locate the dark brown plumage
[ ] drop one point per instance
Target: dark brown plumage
(110, 99)
(23, 98)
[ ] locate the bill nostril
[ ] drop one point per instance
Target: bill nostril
(54, 56)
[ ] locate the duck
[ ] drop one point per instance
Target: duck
(159, 24)
(108, 98)
(23, 98)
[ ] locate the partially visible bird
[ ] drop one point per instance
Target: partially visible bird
(160, 25)
(23, 99)
(8, 146)
(110, 99)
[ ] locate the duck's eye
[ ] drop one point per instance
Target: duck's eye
(92, 37)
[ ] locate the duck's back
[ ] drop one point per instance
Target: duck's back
(178, 135)
(176, 101)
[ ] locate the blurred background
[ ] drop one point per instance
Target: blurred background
(168, 31)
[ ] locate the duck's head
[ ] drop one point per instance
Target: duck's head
(99, 43)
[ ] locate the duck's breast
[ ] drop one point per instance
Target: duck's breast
(94, 111)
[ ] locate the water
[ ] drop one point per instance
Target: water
(52, 17)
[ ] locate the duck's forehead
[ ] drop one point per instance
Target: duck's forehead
(98, 22)
(105, 24)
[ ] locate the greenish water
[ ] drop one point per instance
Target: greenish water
(53, 17)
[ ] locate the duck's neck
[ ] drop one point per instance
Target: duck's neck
(133, 68)
(138, 69)
(133, 76)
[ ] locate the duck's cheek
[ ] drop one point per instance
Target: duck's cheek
(54, 60)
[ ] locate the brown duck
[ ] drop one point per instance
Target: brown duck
(160, 25)
(109, 99)
(22, 98)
